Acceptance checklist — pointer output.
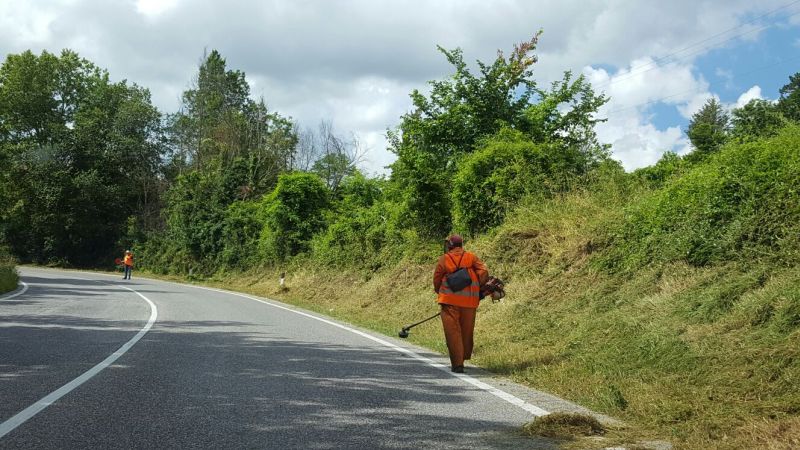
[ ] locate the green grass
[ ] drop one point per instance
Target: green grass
(8, 273)
(705, 357)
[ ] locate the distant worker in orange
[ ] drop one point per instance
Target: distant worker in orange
(127, 264)
(457, 279)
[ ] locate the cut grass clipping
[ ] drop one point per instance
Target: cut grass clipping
(564, 426)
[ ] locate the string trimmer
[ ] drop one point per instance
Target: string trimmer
(494, 287)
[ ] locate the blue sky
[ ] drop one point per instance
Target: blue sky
(354, 62)
(766, 62)
(654, 96)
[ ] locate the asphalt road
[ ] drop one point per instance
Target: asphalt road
(219, 370)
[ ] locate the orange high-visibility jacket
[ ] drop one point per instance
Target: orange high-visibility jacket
(128, 261)
(469, 297)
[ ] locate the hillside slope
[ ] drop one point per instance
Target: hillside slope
(675, 308)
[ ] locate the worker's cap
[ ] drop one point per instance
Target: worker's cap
(455, 239)
(127, 251)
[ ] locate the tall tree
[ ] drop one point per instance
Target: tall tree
(709, 128)
(466, 108)
(293, 212)
(219, 124)
(566, 113)
(337, 156)
(82, 158)
(449, 121)
(226, 148)
(789, 103)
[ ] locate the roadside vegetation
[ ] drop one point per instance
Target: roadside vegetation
(8, 272)
(667, 297)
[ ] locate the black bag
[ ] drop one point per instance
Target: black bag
(458, 280)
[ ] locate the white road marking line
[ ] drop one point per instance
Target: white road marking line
(516, 401)
(20, 418)
(24, 288)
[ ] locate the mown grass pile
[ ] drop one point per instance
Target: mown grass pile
(560, 425)
(8, 272)
(674, 308)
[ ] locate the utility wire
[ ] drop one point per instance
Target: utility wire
(659, 100)
(636, 70)
(657, 60)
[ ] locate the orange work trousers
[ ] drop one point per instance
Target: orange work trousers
(459, 325)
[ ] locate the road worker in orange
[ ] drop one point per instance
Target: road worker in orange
(457, 280)
(127, 263)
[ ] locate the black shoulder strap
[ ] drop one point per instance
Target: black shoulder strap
(458, 266)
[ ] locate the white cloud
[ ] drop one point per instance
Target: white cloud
(26, 23)
(641, 144)
(694, 104)
(634, 90)
(366, 106)
(154, 8)
(752, 93)
(355, 61)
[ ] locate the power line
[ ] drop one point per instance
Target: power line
(659, 100)
(636, 70)
(657, 60)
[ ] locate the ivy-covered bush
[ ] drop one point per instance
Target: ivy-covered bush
(240, 232)
(8, 272)
(741, 202)
(293, 213)
(503, 170)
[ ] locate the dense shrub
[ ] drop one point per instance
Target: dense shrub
(195, 215)
(240, 232)
(293, 213)
(742, 202)
(668, 166)
(759, 118)
(8, 272)
(161, 254)
(364, 237)
(504, 169)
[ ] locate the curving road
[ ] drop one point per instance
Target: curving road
(81, 366)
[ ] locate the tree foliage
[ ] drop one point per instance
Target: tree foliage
(708, 130)
(757, 119)
(446, 125)
(335, 157)
(220, 126)
(88, 166)
(742, 201)
(293, 213)
(365, 227)
(789, 103)
(81, 156)
(505, 169)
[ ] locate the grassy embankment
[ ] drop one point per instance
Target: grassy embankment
(675, 308)
(8, 273)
